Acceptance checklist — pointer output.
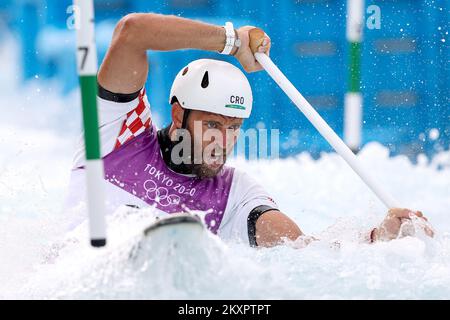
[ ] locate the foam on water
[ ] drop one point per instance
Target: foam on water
(41, 259)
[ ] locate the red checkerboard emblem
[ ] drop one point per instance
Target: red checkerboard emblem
(136, 122)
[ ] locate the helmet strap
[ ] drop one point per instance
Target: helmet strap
(185, 118)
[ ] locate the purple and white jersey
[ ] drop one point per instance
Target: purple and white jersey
(136, 174)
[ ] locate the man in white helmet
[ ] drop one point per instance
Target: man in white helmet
(147, 167)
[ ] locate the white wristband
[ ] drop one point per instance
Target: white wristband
(230, 38)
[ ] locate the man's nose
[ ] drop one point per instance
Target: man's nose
(224, 139)
(229, 137)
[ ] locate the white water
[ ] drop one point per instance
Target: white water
(39, 259)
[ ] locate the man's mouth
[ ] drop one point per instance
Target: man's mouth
(216, 160)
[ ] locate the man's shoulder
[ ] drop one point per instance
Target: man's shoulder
(242, 178)
(245, 186)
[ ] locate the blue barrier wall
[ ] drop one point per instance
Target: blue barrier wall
(405, 64)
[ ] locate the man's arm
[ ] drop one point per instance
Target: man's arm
(273, 227)
(125, 67)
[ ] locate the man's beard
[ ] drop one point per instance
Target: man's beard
(195, 163)
(203, 170)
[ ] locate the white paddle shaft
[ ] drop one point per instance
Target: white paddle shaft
(324, 129)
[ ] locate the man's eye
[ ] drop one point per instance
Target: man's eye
(211, 125)
(235, 127)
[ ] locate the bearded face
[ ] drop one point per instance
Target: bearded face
(212, 139)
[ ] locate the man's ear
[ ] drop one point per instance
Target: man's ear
(177, 115)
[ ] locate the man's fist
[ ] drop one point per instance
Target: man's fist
(245, 55)
(401, 220)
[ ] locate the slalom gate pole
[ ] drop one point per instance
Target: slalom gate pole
(256, 38)
(353, 105)
(87, 72)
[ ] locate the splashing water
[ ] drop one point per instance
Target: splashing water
(41, 258)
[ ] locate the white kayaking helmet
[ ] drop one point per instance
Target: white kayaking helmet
(214, 86)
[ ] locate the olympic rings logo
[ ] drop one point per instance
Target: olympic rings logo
(160, 195)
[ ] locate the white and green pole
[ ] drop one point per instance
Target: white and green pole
(87, 72)
(353, 98)
(256, 37)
